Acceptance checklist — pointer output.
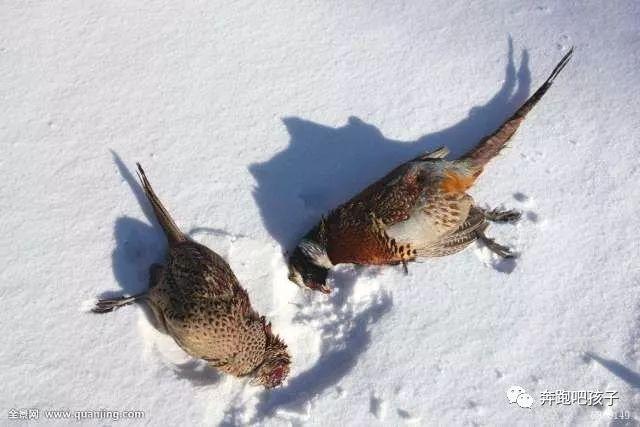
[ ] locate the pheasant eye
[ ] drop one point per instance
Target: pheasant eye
(276, 375)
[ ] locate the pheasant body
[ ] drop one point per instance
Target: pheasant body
(212, 318)
(401, 216)
(198, 300)
(420, 209)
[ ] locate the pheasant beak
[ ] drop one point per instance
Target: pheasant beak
(324, 289)
(321, 287)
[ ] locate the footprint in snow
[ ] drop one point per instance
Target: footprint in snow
(343, 323)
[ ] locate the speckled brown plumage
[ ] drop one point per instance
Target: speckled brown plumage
(197, 299)
(357, 232)
(419, 209)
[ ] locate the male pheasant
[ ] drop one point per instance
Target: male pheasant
(197, 300)
(420, 209)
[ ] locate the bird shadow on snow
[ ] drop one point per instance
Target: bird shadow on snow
(619, 370)
(344, 328)
(321, 168)
(632, 378)
(138, 246)
(324, 166)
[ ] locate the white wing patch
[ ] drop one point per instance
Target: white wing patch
(419, 230)
(424, 227)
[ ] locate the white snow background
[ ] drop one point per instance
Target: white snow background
(254, 118)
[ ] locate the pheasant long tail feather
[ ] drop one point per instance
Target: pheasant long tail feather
(491, 145)
(171, 230)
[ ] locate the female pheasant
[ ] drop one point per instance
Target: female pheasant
(419, 209)
(197, 299)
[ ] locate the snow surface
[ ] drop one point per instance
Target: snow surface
(254, 118)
